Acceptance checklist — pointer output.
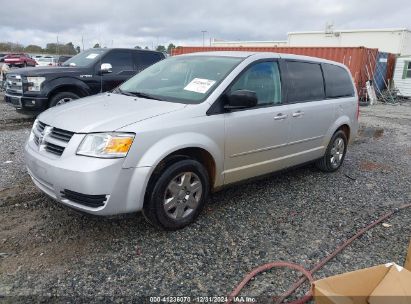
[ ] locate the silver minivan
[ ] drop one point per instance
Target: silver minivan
(188, 125)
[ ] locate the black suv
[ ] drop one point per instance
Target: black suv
(90, 72)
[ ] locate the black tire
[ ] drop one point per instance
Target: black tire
(157, 191)
(326, 163)
(61, 96)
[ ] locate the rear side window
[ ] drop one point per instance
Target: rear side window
(306, 81)
(121, 61)
(338, 81)
(145, 59)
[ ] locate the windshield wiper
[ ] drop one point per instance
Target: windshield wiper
(118, 90)
(144, 95)
(136, 94)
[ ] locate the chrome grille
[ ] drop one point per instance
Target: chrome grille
(61, 134)
(50, 139)
(36, 140)
(55, 149)
(14, 84)
(40, 126)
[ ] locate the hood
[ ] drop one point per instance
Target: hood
(105, 112)
(45, 71)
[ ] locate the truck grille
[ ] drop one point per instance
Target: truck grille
(50, 139)
(88, 200)
(14, 84)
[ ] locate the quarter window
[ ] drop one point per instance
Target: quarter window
(264, 79)
(306, 81)
(338, 81)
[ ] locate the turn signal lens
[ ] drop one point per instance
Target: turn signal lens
(118, 145)
(106, 145)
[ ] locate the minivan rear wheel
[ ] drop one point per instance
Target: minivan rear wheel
(335, 153)
(177, 195)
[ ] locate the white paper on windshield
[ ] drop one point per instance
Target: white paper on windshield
(92, 56)
(199, 85)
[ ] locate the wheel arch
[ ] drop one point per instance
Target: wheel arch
(195, 145)
(346, 129)
(66, 85)
(342, 123)
(67, 88)
(196, 153)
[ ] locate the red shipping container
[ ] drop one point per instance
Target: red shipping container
(359, 60)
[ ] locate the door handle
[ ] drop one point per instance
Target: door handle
(280, 116)
(298, 114)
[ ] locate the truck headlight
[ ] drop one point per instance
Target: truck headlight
(106, 145)
(35, 83)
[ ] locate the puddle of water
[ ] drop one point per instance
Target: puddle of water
(371, 132)
(373, 166)
(378, 133)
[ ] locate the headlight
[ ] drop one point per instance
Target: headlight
(106, 145)
(35, 124)
(35, 83)
(31, 136)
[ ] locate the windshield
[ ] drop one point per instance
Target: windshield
(85, 58)
(184, 79)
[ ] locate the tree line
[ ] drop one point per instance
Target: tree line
(51, 48)
(64, 49)
(160, 48)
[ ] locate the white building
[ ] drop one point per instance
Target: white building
(402, 76)
(224, 43)
(397, 41)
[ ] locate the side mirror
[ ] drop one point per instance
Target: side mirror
(106, 68)
(241, 99)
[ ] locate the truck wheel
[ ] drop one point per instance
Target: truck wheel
(177, 195)
(335, 153)
(62, 98)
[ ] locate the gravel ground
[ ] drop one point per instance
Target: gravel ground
(11, 119)
(299, 215)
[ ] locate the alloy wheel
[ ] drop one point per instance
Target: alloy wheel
(63, 101)
(182, 195)
(337, 152)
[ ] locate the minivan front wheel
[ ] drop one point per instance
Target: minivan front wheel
(178, 195)
(335, 153)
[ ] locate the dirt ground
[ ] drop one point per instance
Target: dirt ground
(48, 251)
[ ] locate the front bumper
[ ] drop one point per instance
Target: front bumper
(31, 103)
(123, 188)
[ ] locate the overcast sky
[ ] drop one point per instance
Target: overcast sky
(127, 23)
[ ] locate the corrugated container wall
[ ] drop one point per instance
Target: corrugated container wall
(392, 58)
(361, 61)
